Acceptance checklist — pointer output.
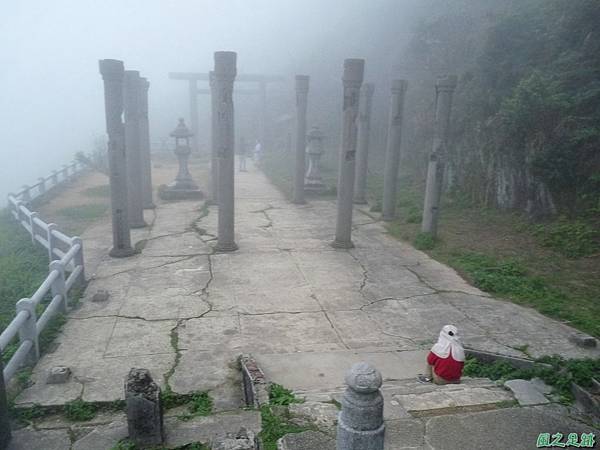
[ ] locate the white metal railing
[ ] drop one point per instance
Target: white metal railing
(65, 271)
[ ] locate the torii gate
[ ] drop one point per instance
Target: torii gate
(261, 91)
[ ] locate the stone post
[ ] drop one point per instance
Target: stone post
(302, 82)
(133, 148)
(360, 422)
(54, 178)
(113, 73)
(147, 201)
(392, 156)
(362, 151)
(5, 433)
(224, 76)
(353, 77)
(435, 171)
(262, 131)
(144, 409)
(193, 92)
(214, 160)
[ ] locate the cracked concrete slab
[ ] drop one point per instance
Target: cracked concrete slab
(307, 311)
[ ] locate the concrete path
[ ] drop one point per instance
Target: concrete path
(304, 310)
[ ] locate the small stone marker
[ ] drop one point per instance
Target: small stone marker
(144, 409)
(100, 296)
(360, 423)
(526, 392)
(58, 375)
(583, 340)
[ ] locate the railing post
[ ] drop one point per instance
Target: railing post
(59, 287)
(26, 197)
(54, 177)
(28, 331)
(5, 434)
(42, 186)
(65, 172)
(78, 260)
(51, 241)
(32, 216)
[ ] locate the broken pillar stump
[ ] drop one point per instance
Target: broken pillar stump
(144, 409)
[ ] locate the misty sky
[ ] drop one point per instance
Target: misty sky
(51, 98)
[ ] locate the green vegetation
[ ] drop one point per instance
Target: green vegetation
(424, 241)
(79, 411)
(198, 403)
(555, 371)
(23, 266)
(97, 191)
(275, 417)
(573, 239)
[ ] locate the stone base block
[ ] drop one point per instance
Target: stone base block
(172, 193)
(342, 244)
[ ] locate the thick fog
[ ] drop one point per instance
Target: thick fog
(51, 102)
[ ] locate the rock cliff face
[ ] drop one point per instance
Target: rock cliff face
(525, 131)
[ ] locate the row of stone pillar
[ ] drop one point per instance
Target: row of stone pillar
(353, 161)
(127, 126)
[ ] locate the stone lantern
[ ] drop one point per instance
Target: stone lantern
(313, 182)
(184, 186)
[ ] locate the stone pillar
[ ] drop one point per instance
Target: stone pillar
(214, 160)
(353, 77)
(360, 422)
(302, 82)
(262, 131)
(362, 150)
(224, 76)
(144, 409)
(392, 156)
(435, 171)
(193, 88)
(5, 433)
(147, 201)
(313, 182)
(131, 105)
(113, 73)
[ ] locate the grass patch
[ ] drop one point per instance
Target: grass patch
(79, 411)
(198, 403)
(275, 417)
(83, 212)
(559, 375)
(510, 279)
(97, 191)
(571, 239)
(424, 241)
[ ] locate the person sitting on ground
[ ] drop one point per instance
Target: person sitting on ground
(446, 359)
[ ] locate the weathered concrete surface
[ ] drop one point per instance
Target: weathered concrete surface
(306, 311)
(105, 434)
(526, 392)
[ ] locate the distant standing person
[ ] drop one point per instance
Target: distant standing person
(446, 359)
(257, 151)
(242, 154)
